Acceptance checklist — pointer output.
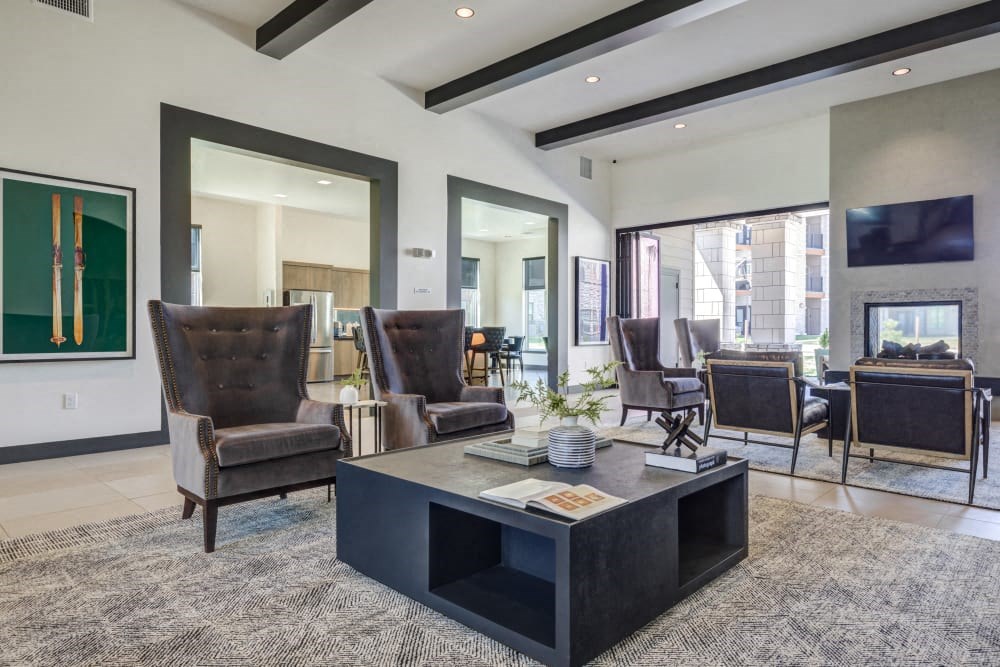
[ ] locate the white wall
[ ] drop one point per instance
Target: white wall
(269, 272)
(936, 141)
(510, 290)
(321, 238)
(97, 118)
(485, 252)
(781, 166)
(677, 252)
(228, 251)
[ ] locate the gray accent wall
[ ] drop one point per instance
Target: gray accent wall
(935, 141)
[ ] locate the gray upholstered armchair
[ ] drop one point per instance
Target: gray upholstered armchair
(241, 423)
(416, 367)
(644, 383)
(697, 336)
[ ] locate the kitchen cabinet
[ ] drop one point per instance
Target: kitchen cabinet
(344, 357)
(350, 287)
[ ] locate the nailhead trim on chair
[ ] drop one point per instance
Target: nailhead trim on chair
(304, 353)
(375, 355)
(206, 439)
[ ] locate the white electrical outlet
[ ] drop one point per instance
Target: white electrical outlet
(71, 401)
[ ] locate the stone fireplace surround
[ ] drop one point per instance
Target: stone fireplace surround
(968, 296)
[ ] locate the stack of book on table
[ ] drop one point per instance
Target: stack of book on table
(509, 451)
(528, 446)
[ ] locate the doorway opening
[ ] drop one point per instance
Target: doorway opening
(505, 290)
(182, 130)
(506, 253)
(762, 275)
(267, 233)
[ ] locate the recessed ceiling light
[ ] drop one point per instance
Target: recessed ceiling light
(592, 79)
(465, 12)
(324, 182)
(902, 71)
(680, 126)
(280, 196)
(529, 222)
(484, 229)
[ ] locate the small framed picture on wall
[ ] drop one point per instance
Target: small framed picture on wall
(593, 300)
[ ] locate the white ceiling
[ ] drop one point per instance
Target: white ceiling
(219, 171)
(482, 221)
(422, 44)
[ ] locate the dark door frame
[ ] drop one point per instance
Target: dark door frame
(557, 252)
(623, 287)
(179, 126)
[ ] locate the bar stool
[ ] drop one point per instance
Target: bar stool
(488, 342)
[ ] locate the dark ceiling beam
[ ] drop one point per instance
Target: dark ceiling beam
(959, 26)
(604, 35)
(302, 21)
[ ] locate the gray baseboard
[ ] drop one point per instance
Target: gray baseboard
(110, 443)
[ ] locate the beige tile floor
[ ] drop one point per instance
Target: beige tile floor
(59, 493)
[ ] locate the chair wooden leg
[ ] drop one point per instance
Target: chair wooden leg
(188, 508)
(210, 517)
(624, 416)
(283, 496)
(701, 412)
(649, 415)
(503, 380)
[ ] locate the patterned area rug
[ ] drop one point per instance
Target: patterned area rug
(815, 463)
(820, 587)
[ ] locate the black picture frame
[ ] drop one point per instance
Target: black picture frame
(592, 304)
(129, 193)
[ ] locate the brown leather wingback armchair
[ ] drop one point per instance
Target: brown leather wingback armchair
(416, 367)
(645, 383)
(241, 423)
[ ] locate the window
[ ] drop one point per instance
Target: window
(536, 328)
(196, 290)
(470, 291)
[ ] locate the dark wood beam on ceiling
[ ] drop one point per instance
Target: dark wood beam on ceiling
(959, 26)
(302, 21)
(606, 34)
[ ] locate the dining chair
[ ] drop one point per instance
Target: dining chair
(513, 351)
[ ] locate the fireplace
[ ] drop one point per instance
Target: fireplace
(906, 329)
(862, 333)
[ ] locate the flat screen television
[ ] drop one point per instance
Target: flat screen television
(936, 230)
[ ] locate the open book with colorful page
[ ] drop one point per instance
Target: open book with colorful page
(572, 502)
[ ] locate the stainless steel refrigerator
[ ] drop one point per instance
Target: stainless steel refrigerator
(320, 368)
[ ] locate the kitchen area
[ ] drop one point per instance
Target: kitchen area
(336, 295)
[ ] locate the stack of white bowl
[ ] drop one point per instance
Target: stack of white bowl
(571, 446)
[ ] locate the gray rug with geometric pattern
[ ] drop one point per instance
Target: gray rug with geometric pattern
(820, 587)
(814, 462)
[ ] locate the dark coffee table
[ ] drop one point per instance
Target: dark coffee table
(557, 590)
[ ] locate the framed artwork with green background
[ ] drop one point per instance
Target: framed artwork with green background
(67, 281)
